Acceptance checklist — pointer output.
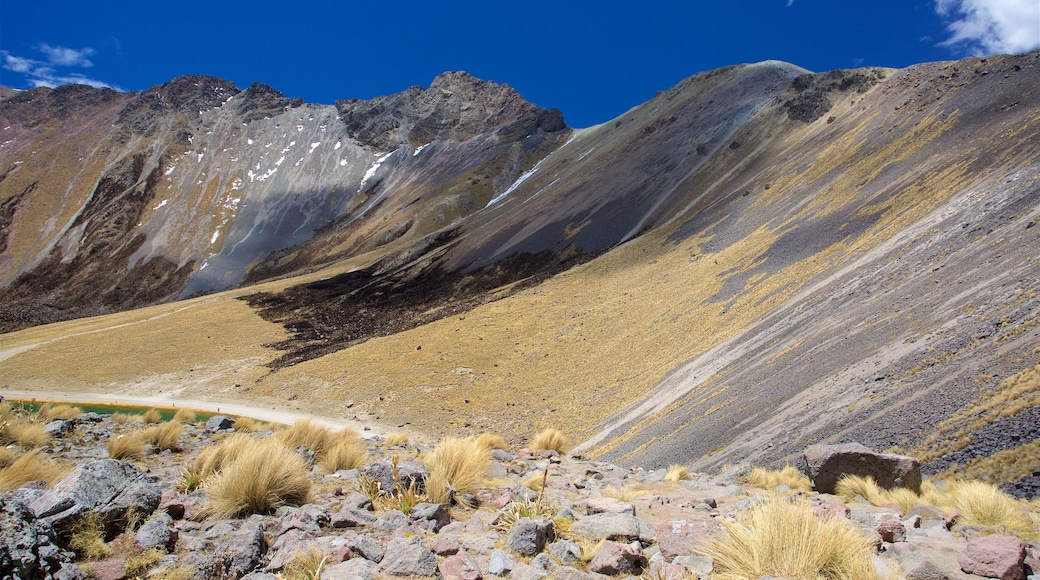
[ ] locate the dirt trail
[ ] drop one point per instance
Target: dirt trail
(367, 429)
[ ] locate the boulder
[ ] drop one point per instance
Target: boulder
(59, 427)
(994, 557)
(367, 547)
(220, 423)
(615, 558)
(407, 557)
(826, 464)
(679, 537)
(157, 532)
(26, 548)
(614, 527)
(429, 516)
(459, 567)
(528, 536)
(356, 569)
(565, 552)
(409, 472)
(108, 486)
(501, 563)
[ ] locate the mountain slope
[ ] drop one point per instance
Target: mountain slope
(755, 259)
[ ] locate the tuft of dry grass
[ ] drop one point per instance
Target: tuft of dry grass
(184, 416)
(347, 454)
(317, 438)
(396, 439)
(20, 431)
(260, 478)
(849, 486)
(152, 416)
(771, 479)
(88, 537)
(622, 493)
(31, 466)
(138, 564)
(677, 473)
(307, 563)
(8, 455)
(456, 466)
(51, 411)
(491, 441)
(164, 436)
(123, 418)
(249, 425)
(127, 447)
(211, 459)
(785, 539)
(552, 440)
(983, 504)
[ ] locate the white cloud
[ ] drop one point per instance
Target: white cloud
(991, 26)
(61, 56)
(46, 73)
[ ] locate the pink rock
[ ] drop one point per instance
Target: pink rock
(891, 531)
(995, 557)
(459, 567)
(680, 537)
(502, 500)
(110, 569)
(444, 546)
(614, 558)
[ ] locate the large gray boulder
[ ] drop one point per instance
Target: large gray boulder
(109, 487)
(528, 536)
(26, 544)
(826, 464)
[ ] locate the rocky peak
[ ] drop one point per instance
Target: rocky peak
(41, 104)
(260, 100)
(456, 106)
(185, 94)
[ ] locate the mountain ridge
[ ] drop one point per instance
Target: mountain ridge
(756, 259)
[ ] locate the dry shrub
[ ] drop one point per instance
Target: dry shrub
(184, 416)
(552, 440)
(211, 459)
(396, 439)
(307, 563)
(982, 504)
(676, 473)
(317, 438)
(88, 537)
(347, 454)
(249, 425)
(260, 478)
(165, 436)
(137, 564)
(622, 493)
(152, 416)
(771, 479)
(50, 411)
(8, 455)
(456, 466)
(123, 418)
(849, 486)
(31, 466)
(20, 431)
(491, 441)
(785, 539)
(127, 447)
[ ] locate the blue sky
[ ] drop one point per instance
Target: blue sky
(592, 60)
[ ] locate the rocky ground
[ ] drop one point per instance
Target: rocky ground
(606, 520)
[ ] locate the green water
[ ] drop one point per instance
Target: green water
(167, 414)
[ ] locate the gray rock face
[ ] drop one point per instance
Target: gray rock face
(26, 548)
(367, 547)
(409, 472)
(828, 463)
(429, 516)
(59, 427)
(565, 552)
(528, 536)
(356, 569)
(501, 563)
(109, 487)
(239, 553)
(407, 557)
(614, 526)
(157, 532)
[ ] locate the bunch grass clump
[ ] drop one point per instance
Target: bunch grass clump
(621, 493)
(51, 411)
(127, 447)
(346, 454)
(307, 563)
(184, 416)
(785, 539)
(87, 538)
(770, 479)
(124, 418)
(983, 504)
(212, 459)
(249, 425)
(152, 416)
(317, 438)
(551, 440)
(456, 466)
(136, 565)
(677, 473)
(261, 477)
(164, 436)
(31, 466)
(19, 428)
(492, 441)
(396, 439)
